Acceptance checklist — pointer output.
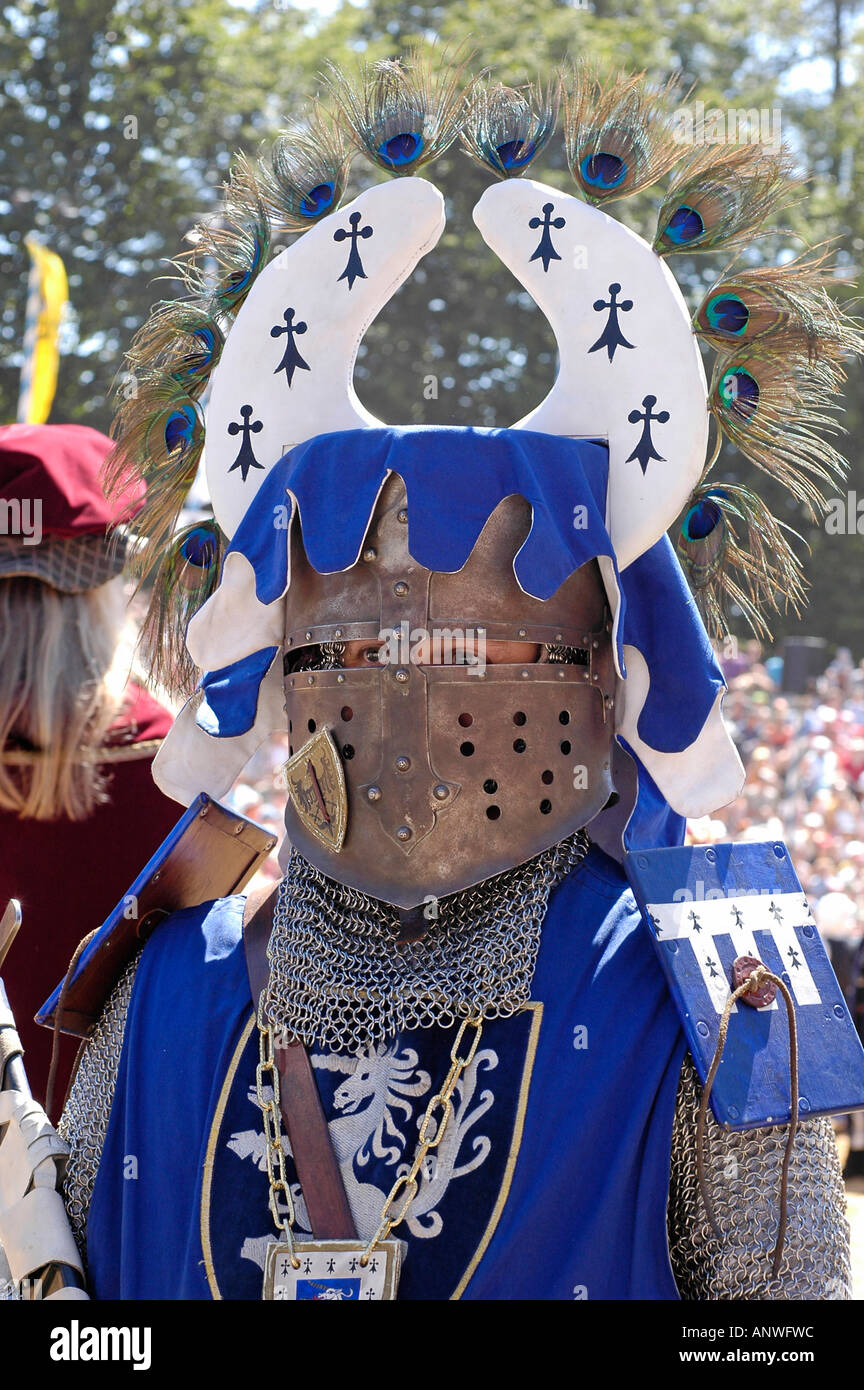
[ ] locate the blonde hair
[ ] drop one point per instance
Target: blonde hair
(61, 682)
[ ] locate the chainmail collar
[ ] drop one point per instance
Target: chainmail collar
(342, 979)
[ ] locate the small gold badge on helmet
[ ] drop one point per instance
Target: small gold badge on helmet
(316, 785)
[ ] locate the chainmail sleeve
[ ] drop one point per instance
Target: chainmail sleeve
(744, 1172)
(84, 1121)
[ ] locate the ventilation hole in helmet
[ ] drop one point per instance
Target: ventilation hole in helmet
(564, 717)
(348, 751)
(490, 786)
(466, 720)
(290, 726)
(520, 718)
(290, 749)
(346, 713)
(519, 745)
(493, 812)
(466, 749)
(311, 726)
(565, 747)
(547, 777)
(545, 807)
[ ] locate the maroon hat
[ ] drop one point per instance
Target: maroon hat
(54, 516)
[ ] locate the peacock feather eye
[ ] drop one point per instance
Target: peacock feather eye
(728, 314)
(739, 390)
(702, 518)
(199, 547)
(207, 338)
(603, 170)
(318, 200)
(400, 149)
(684, 226)
(197, 364)
(239, 281)
(515, 154)
(720, 196)
(180, 429)
(305, 175)
(702, 539)
(401, 113)
(506, 128)
(617, 132)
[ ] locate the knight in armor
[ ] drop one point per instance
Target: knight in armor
(448, 1057)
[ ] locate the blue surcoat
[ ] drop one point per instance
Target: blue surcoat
(552, 1182)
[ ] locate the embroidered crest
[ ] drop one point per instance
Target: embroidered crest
(373, 1105)
(316, 785)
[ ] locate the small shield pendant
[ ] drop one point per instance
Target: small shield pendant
(315, 782)
(331, 1270)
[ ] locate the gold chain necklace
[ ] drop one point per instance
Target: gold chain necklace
(345, 1270)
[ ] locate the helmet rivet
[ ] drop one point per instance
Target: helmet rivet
(400, 588)
(340, 679)
(337, 632)
(370, 553)
(374, 793)
(404, 832)
(525, 674)
(402, 515)
(595, 644)
(402, 674)
(308, 636)
(522, 632)
(560, 675)
(608, 701)
(288, 641)
(441, 791)
(559, 636)
(403, 764)
(310, 680)
(596, 676)
(292, 682)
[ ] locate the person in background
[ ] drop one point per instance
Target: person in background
(79, 811)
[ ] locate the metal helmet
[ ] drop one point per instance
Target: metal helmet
(412, 781)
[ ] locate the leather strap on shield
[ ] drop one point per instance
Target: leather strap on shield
(302, 1114)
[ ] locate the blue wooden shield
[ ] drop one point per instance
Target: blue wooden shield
(706, 906)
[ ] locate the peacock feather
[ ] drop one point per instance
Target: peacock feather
(785, 308)
(181, 340)
(186, 575)
(735, 551)
(617, 133)
(306, 174)
(506, 129)
(236, 239)
(775, 409)
(401, 115)
(159, 437)
(720, 198)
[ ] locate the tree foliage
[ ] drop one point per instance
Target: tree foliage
(119, 118)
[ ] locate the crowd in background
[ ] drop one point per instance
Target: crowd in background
(804, 758)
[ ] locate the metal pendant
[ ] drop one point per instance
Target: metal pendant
(315, 782)
(331, 1270)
